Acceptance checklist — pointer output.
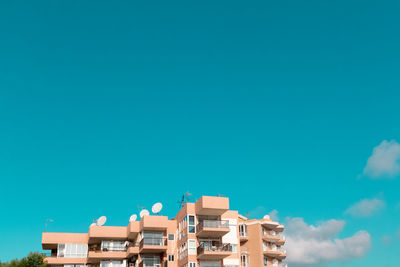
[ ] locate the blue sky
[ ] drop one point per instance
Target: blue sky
(276, 104)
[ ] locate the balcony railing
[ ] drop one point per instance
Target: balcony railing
(214, 248)
(242, 234)
(224, 224)
(150, 263)
(153, 242)
(49, 254)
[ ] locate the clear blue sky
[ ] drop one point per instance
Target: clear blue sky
(276, 104)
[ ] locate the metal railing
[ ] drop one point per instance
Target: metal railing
(224, 224)
(153, 242)
(214, 248)
(49, 254)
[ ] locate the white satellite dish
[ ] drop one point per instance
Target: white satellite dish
(93, 224)
(156, 208)
(101, 221)
(144, 213)
(266, 216)
(133, 218)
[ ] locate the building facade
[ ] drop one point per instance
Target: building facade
(203, 234)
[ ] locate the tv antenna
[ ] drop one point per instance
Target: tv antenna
(185, 199)
(156, 208)
(47, 221)
(144, 213)
(133, 218)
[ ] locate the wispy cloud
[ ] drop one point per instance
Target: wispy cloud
(384, 161)
(274, 215)
(366, 207)
(312, 245)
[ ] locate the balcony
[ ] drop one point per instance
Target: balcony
(212, 228)
(212, 205)
(274, 252)
(243, 236)
(108, 253)
(150, 264)
(51, 258)
(270, 236)
(153, 245)
(214, 252)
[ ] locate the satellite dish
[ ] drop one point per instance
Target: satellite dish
(101, 221)
(133, 218)
(156, 208)
(266, 216)
(144, 213)
(93, 224)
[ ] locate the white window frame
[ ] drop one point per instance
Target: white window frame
(192, 247)
(189, 225)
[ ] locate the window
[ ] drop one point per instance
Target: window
(171, 237)
(111, 264)
(265, 261)
(242, 230)
(151, 261)
(113, 246)
(171, 257)
(234, 248)
(72, 250)
(244, 259)
(210, 264)
(192, 247)
(182, 251)
(191, 224)
(192, 264)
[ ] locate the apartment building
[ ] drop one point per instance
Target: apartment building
(203, 234)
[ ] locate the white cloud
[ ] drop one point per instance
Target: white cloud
(366, 207)
(309, 244)
(384, 161)
(274, 215)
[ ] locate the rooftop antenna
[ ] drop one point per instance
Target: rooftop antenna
(101, 221)
(133, 218)
(47, 221)
(182, 201)
(187, 194)
(156, 208)
(144, 213)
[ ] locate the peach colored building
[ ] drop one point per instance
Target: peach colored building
(203, 234)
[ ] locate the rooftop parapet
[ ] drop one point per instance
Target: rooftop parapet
(51, 240)
(212, 205)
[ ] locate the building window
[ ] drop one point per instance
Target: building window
(151, 261)
(242, 230)
(191, 224)
(171, 257)
(171, 237)
(72, 250)
(192, 264)
(234, 248)
(244, 259)
(192, 247)
(265, 261)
